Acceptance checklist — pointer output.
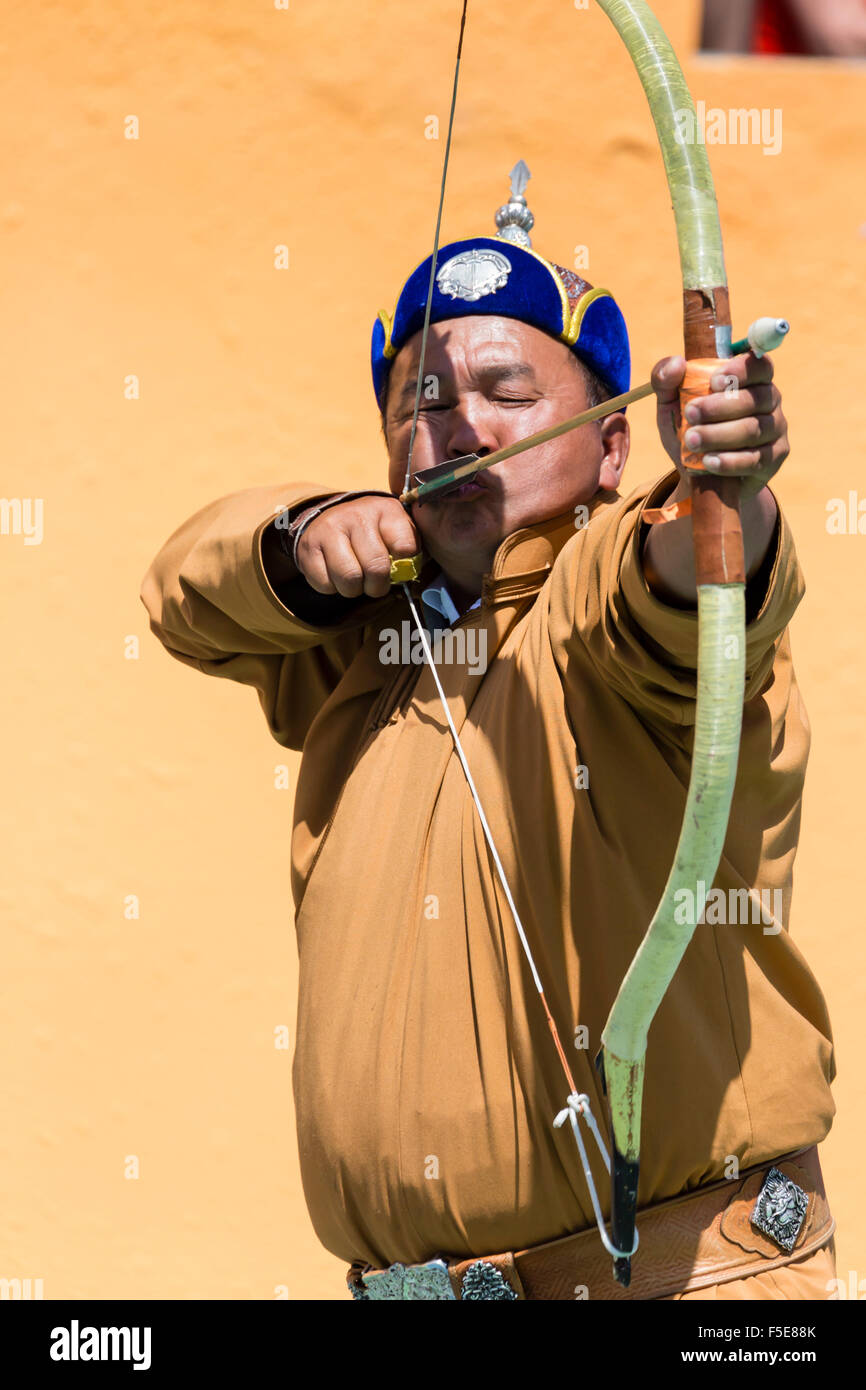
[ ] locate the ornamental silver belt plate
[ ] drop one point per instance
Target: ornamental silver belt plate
(427, 1281)
(780, 1209)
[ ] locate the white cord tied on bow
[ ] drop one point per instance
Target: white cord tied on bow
(578, 1105)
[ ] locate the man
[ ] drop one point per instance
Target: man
(425, 1081)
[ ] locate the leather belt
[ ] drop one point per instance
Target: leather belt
(769, 1216)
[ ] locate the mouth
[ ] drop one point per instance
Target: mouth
(464, 491)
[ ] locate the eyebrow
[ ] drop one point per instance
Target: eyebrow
(496, 372)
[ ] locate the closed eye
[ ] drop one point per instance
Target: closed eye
(495, 400)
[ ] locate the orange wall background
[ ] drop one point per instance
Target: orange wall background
(128, 773)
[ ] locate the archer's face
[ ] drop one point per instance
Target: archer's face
(495, 381)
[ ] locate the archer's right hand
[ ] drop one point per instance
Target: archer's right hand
(348, 549)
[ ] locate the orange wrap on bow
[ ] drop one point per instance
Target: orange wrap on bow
(696, 382)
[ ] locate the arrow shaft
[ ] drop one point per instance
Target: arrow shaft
(451, 476)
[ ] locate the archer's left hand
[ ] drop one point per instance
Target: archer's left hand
(740, 425)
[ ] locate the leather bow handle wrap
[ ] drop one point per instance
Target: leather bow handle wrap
(718, 535)
(696, 382)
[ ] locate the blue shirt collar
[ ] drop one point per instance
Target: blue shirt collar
(439, 605)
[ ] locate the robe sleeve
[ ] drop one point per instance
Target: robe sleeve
(644, 648)
(212, 606)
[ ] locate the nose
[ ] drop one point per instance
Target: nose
(471, 430)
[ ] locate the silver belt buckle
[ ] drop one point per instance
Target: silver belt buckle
(428, 1281)
(780, 1209)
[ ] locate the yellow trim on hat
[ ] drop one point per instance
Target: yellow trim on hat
(572, 333)
(387, 323)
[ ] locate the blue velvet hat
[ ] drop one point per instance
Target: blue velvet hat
(502, 275)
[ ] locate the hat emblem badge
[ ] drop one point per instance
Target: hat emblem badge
(473, 274)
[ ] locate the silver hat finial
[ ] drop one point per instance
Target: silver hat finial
(514, 219)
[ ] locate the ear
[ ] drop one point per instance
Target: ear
(615, 440)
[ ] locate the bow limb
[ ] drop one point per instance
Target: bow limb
(719, 566)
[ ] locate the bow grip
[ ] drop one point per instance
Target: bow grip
(716, 530)
(696, 382)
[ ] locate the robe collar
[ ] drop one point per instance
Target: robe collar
(525, 558)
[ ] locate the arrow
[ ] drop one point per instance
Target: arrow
(764, 335)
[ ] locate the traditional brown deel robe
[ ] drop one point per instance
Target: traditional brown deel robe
(425, 1078)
